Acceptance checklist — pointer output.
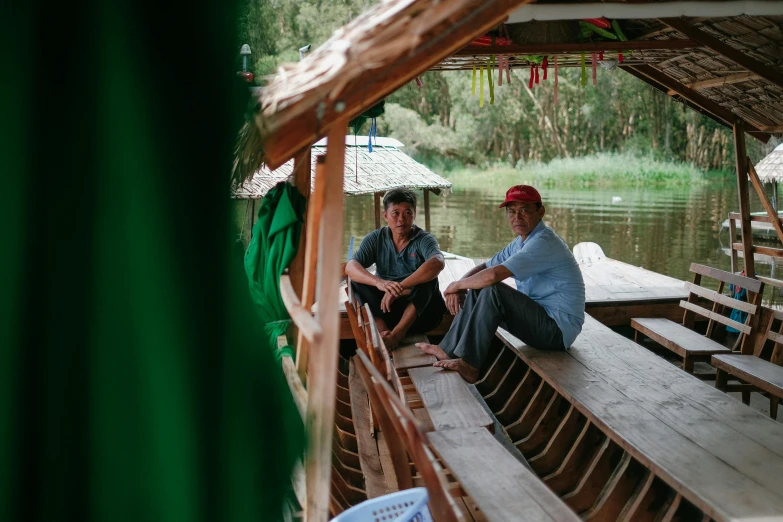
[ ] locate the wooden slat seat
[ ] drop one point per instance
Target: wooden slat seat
(677, 338)
(764, 375)
(692, 346)
(448, 400)
(407, 355)
(503, 488)
(760, 371)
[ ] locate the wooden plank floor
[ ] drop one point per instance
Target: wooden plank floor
(719, 454)
(615, 291)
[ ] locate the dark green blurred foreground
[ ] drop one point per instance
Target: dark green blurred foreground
(133, 381)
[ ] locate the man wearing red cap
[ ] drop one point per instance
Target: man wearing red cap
(546, 311)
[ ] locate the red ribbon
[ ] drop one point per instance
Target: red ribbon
(546, 64)
(536, 69)
(532, 76)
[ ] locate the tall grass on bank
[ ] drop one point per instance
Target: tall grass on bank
(601, 170)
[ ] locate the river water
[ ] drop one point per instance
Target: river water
(663, 230)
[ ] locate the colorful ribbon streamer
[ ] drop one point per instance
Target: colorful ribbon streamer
(583, 81)
(545, 65)
(473, 83)
(481, 86)
(595, 65)
(556, 79)
(500, 69)
(490, 65)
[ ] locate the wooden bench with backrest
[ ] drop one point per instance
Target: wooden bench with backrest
(499, 485)
(692, 346)
(761, 370)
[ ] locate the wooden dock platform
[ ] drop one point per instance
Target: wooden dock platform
(615, 291)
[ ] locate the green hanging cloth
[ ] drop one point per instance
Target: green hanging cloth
(272, 248)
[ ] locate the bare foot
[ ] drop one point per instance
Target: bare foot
(466, 371)
(390, 340)
(433, 349)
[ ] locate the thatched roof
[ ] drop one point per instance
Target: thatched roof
(770, 169)
(385, 168)
(729, 68)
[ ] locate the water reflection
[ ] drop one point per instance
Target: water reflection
(664, 230)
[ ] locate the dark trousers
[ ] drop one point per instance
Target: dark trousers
(484, 310)
(426, 298)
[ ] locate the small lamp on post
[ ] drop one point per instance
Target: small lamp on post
(244, 51)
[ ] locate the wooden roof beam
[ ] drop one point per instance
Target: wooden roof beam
(764, 71)
(724, 80)
(663, 89)
(694, 97)
(587, 47)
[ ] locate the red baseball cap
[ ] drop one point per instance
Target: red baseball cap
(521, 193)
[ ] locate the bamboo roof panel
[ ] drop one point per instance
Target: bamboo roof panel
(383, 169)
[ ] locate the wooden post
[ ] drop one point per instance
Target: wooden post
(302, 175)
(765, 202)
(742, 192)
(427, 210)
(733, 236)
(377, 197)
(322, 375)
(315, 205)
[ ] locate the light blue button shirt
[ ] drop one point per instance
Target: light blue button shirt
(545, 270)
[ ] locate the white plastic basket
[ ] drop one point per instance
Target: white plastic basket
(408, 505)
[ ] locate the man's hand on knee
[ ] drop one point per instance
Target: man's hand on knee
(454, 302)
(386, 302)
(389, 287)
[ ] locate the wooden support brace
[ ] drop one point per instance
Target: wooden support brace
(322, 374)
(377, 198)
(427, 210)
(765, 202)
(742, 192)
(315, 207)
(302, 175)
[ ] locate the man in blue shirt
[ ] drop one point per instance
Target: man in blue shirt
(546, 311)
(403, 294)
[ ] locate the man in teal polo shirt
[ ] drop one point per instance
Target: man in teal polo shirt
(546, 311)
(403, 294)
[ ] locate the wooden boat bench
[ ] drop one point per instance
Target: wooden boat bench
(760, 371)
(620, 434)
(491, 485)
(443, 394)
(691, 345)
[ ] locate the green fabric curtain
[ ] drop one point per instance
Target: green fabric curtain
(272, 248)
(133, 382)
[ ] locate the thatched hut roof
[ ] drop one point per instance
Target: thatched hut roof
(770, 169)
(729, 68)
(385, 168)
